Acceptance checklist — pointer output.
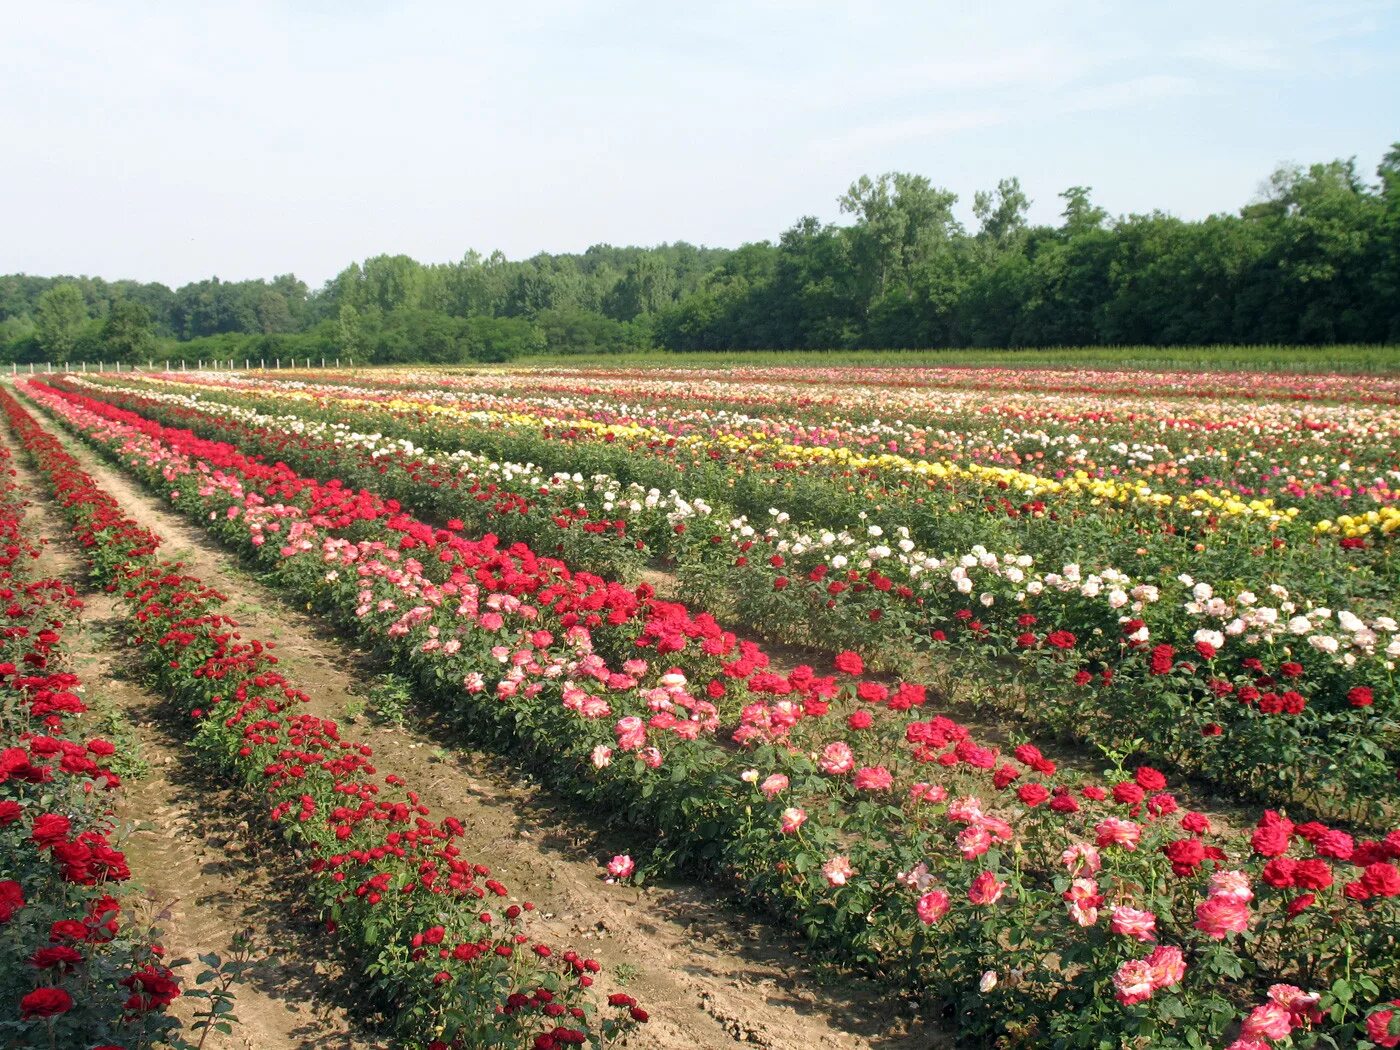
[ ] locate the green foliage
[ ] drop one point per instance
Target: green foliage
(126, 333)
(59, 319)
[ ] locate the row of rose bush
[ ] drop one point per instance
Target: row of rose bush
(1315, 453)
(1196, 473)
(74, 970)
(1037, 906)
(1273, 696)
(444, 948)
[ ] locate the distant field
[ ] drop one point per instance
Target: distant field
(1377, 359)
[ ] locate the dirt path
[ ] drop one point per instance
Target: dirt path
(712, 975)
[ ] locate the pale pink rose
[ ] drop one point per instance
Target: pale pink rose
(932, 906)
(1082, 858)
(1132, 982)
(837, 758)
(974, 841)
(966, 810)
(602, 756)
(636, 668)
(792, 819)
(922, 792)
(1218, 916)
(997, 828)
(1297, 1002)
(594, 707)
(621, 866)
(1270, 1021)
(985, 889)
(1231, 885)
(1168, 965)
(1129, 922)
(873, 778)
(631, 733)
(773, 785)
(838, 871)
(1083, 900)
(1116, 832)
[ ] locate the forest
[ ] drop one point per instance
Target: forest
(1313, 259)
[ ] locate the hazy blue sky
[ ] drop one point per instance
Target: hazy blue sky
(168, 141)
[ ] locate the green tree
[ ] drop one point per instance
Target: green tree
(901, 219)
(126, 333)
(1001, 213)
(1080, 215)
(59, 319)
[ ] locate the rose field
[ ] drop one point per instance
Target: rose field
(797, 706)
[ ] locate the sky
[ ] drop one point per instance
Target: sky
(173, 142)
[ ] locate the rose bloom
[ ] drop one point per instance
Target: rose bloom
(1231, 885)
(922, 792)
(1130, 922)
(621, 866)
(838, 871)
(1081, 859)
(837, 758)
(1132, 982)
(1218, 916)
(873, 778)
(932, 906)
(602, 756)
(774, 785)
(1083, 899)
(1270, 1021)
(1383, 1026)
(45, 1002)
(974, 841)
(966, 810)
(1300, 1004)
(792, 819)
(1168, 965)
(985, 889)
(1116, 832)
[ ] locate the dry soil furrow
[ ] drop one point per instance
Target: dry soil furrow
(712, 975)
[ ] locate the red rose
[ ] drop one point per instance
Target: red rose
(1033, 794)
(1360, 696)
(1312, 874)
(1149, 779)
(1382, 879)
(1185, 855)
(50, 829)
(849, 663)
(45, 1002)
(1278, 873)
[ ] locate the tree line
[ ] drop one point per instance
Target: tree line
(1315, 258)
